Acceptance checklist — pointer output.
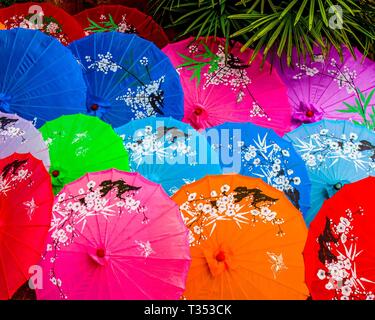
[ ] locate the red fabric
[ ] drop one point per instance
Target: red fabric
(144, 25)
(26, 201)
(339, 253)
(71, 29)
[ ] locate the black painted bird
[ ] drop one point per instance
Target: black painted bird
(294, 197)
(175, 132)
(323, 240)
(4, 122)
(155, 100)
(13, 166)
(258, 195)
(121, 186)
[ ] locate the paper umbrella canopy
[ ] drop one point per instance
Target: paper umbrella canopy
(246, 240)
(115, 235)
(123, 19)
(259, 152)
(45, 17)
(25, 218)
(39, 78)
(335, 153)
(127, 78)
(168, 151)
(339, 252)
(319, 87)
(20, 136)
(79, 144)
(219, 90)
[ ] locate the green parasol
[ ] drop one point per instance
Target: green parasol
(80, 144)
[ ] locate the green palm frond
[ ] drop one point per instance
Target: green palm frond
(275, 27)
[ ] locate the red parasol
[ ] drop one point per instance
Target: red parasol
(42, 16)
(339, 253)
(122, 19)
(26, 201)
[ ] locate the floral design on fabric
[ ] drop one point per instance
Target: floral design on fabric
(49, 26)
(277, 263)
(80, 141)
(12, 174)
(267, 160)
(107, 23)
(338, 252)
(71, 213)
(326, 149)
(241, 206)
(228, 71)
(104, 63)
(159, 145)
(31, 206)
(146, 99)
(342, 75)
(8, 129)
(145, 248)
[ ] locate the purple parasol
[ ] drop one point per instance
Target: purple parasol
(18, 135)
(319, 87)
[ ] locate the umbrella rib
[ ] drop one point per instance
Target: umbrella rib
(141, 229)
(28, 226)
(19, 61)
(114, 274)
(166, 236)
(93, 244)
(16, 261)
(128, 67)
(21, 242)
(289, 244)
(266, 231)
(20, 86)
(4, 276)
(122, 271)
(153, 276)
(273, 280)
(135, 232)
(111, 241)
(239, 283)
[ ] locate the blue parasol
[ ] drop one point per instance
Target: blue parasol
(168, 151)
(39, 78)
(256, 151)
(127, 78)
(336, 153)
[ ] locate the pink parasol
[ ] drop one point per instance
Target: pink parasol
(115, 235)
(219, 90)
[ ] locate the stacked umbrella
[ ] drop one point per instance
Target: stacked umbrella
(131, 172)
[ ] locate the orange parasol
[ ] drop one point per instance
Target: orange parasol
(2, 27)
(246, 240)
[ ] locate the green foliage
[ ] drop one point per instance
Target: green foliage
(200, 17)
(106, 26)
(196, 64)
(364, 108)
(273, 26)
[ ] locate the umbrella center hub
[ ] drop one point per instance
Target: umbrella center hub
(220, 257)
(55, 173)
(94, 107)
(310, 113)
(198, 111)
(100, 253)
(338, 186)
